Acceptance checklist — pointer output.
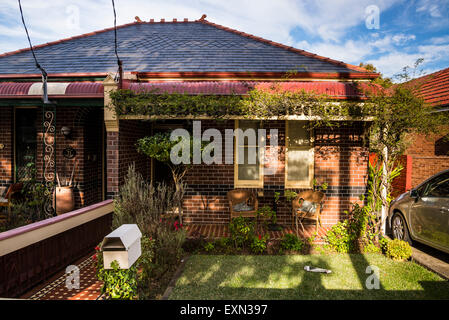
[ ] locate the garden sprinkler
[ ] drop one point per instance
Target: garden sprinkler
(312, 269)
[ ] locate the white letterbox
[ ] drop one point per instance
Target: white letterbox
(122, 245)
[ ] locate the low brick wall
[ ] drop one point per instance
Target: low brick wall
(425, 167)
(33, 253)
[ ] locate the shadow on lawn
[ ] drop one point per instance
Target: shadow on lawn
(250, 281)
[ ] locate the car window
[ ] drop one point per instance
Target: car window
(437, 187)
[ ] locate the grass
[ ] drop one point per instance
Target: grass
(283, 277)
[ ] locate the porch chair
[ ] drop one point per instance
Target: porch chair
(5, 198)
(242, 203)
(307, 205)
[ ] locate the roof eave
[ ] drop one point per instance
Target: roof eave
(259, 75)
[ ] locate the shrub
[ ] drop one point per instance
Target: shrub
(383, 243)
(117, 283)
(398, 250)
(209, 246)
(242, 231)
(223, 243)
(259, 244)
(371, 248)
(167, 249)
(147, 206)
(290, 242)
(267, 213)
(142, 203)
(339, 239)
(127, 284)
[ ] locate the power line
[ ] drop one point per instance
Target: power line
(29, 41)
(44, 73)
(119, 62)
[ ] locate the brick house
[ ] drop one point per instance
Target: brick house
(427, 155)
(194, 57)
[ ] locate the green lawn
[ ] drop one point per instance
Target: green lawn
(283, 277)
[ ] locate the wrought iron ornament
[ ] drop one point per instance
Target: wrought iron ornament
(49, 158)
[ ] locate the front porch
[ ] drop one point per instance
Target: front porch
(216, 231)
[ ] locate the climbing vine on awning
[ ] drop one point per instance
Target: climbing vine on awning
(257, 103)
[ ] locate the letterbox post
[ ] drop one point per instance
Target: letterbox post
(122, 245)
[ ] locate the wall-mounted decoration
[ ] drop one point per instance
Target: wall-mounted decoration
(69, 153)
(66, 131)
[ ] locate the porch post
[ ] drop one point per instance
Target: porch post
(112, 139)
(384, 210)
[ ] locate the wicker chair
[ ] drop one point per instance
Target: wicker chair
(317, 198)
(238, 196)
(6, 200)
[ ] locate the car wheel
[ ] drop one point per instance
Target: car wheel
(399, 228)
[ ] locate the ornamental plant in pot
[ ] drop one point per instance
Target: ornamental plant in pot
(63, 194)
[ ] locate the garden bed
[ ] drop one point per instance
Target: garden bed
(283, 277)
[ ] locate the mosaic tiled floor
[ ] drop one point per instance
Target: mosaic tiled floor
(211, 231)
(89, 286)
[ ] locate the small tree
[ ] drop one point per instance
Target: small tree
(159, 147)
(397, 112)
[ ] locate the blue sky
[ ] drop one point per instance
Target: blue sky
(407, 30)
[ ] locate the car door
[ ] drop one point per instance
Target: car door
(430, 211)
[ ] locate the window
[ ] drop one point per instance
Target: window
(248, 173)
(299, 155)
(438, 187)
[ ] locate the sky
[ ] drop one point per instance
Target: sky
(389, 34)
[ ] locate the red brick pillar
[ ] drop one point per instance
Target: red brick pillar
(112, 164)
(112, 140)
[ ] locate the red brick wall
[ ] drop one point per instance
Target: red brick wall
(121, 152)
(341, 160)
(425, 167)
(403, 182)
(130, 132)
(430, 155)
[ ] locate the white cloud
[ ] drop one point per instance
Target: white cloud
(439, 40)
(430, 7)
(400, 39)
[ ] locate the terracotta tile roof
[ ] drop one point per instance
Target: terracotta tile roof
(434, 88)
(177, 46)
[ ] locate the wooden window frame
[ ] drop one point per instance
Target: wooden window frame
(238, 183)
(299, 183)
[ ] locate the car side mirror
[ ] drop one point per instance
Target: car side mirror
(414, 194)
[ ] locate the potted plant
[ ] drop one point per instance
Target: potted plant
(63, 196)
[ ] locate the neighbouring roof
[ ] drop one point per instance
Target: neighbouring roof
(434, 88)
(336, 90)
(167, 47)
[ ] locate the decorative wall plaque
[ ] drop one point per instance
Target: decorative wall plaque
(69, 153)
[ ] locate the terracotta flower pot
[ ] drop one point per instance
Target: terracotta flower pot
(65, 200)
